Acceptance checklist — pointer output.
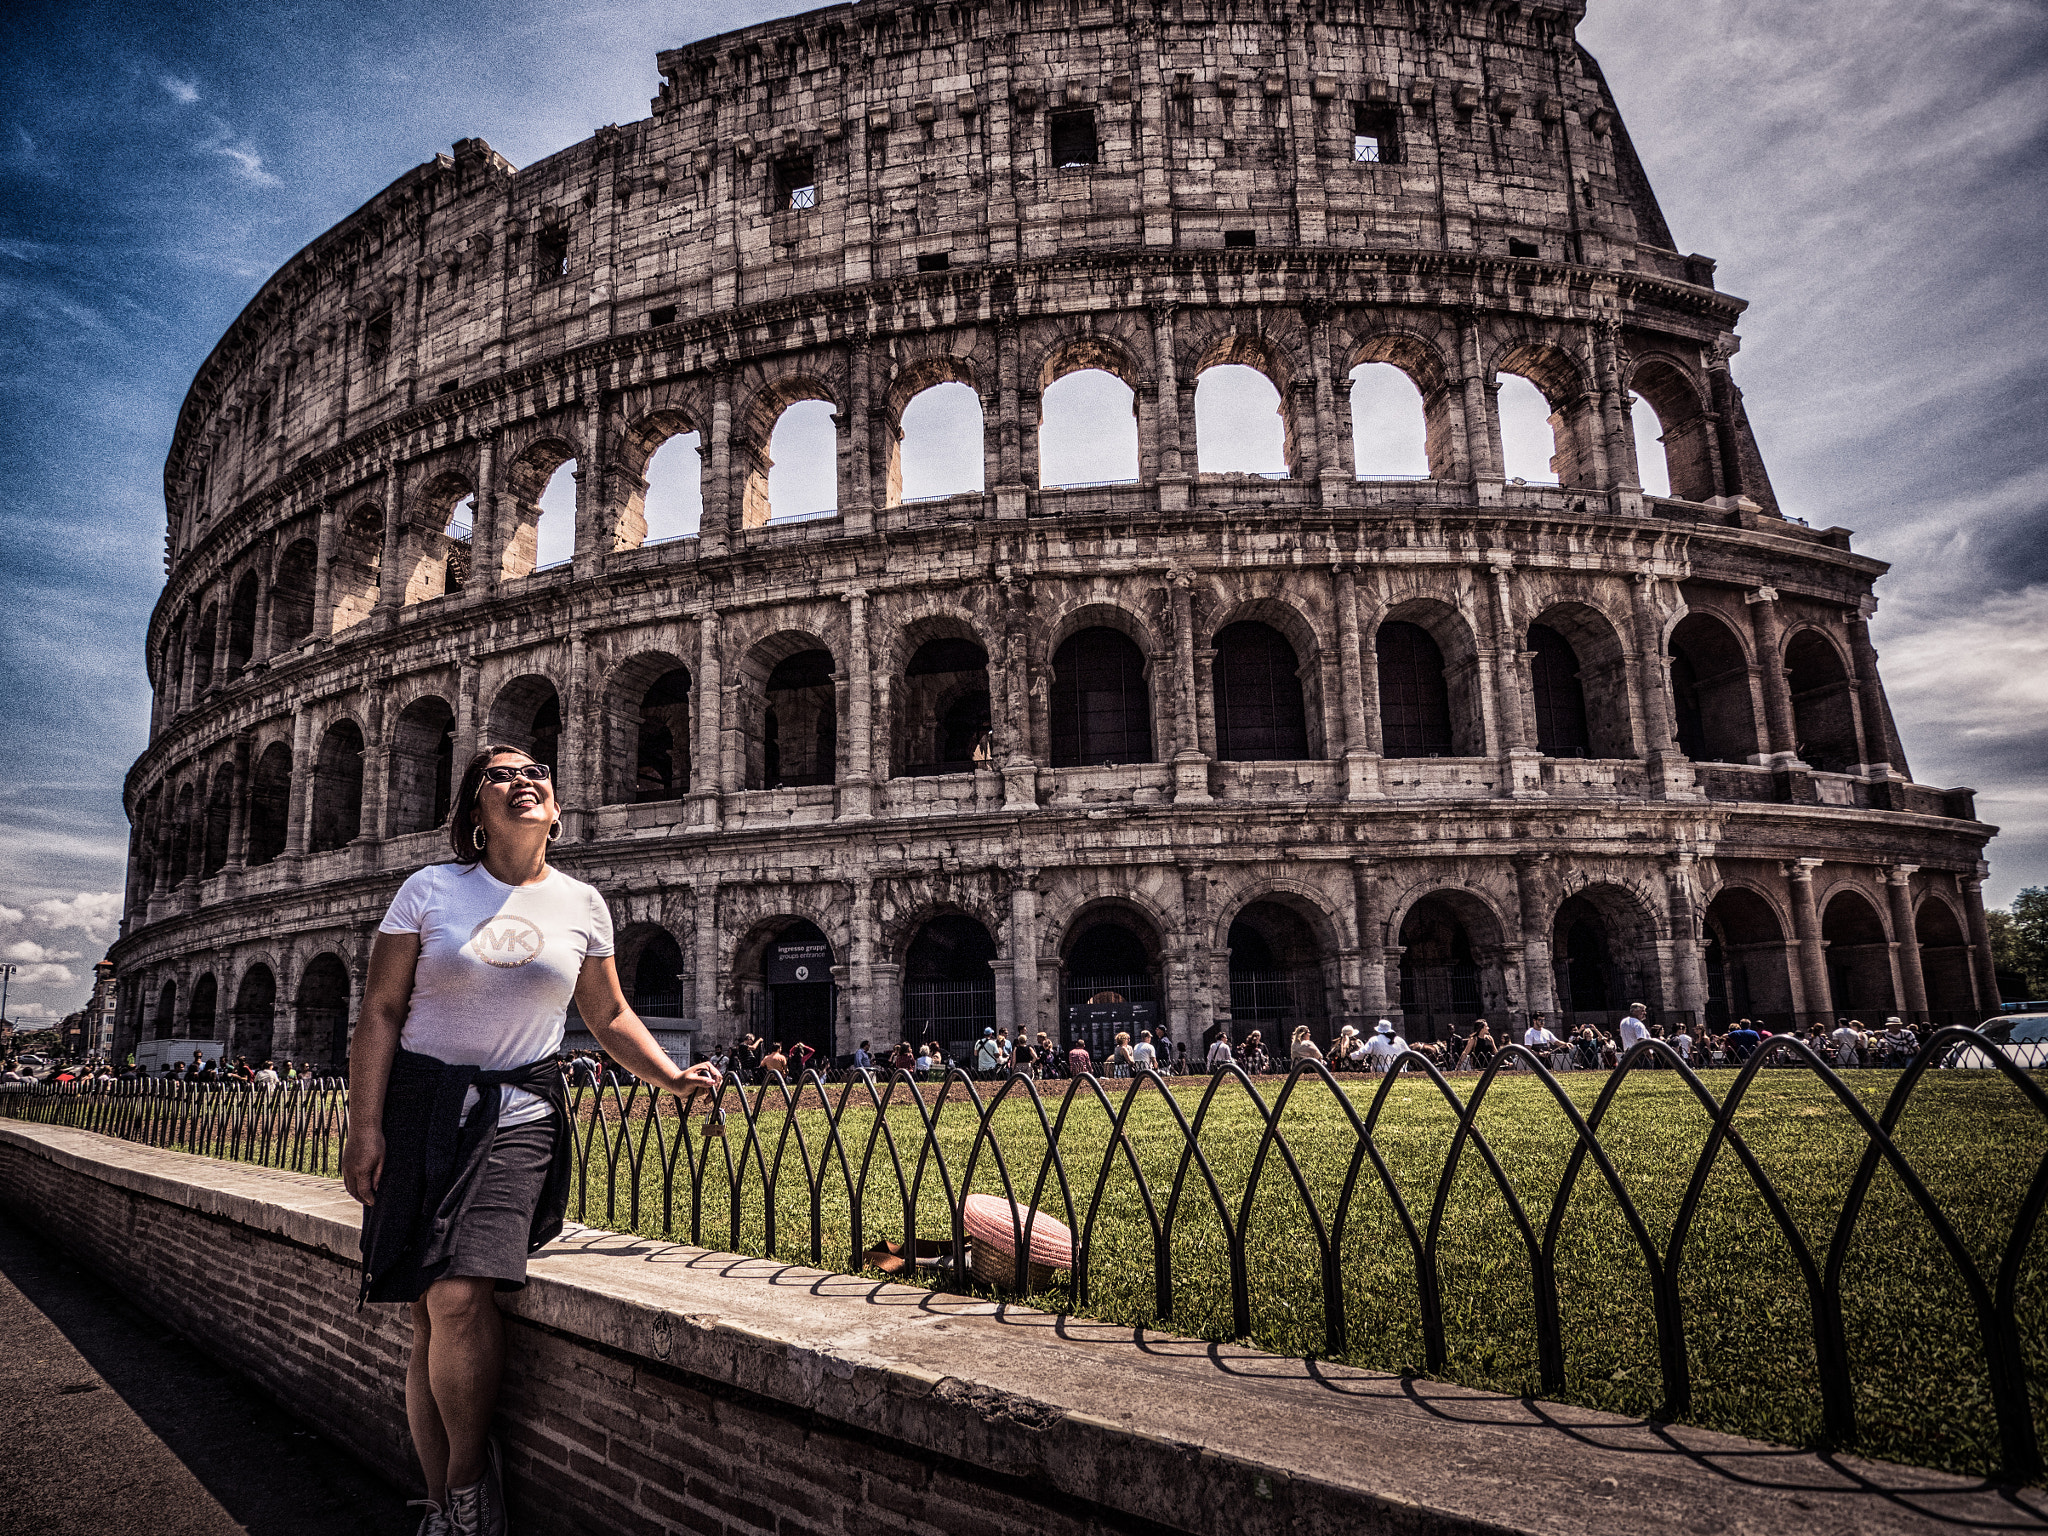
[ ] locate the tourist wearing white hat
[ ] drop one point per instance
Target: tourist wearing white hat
(1385, 1046)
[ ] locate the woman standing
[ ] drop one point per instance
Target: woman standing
(459, 1137)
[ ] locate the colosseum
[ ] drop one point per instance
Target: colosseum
(1316, 744)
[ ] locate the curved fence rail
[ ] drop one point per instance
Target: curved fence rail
(1201, 1187)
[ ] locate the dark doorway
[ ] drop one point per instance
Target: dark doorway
(1111, 984)
(797, 990)
(658, 977)
(1415, 702)
(323, 1013)
(662, 769)
(945, 711)
(255, 1015)
(1561, 729)
(1276, 977)
(1101, 710)
(270, 794)
(1587, 979)
(1260, 716)
(800, 724)
(949, 992)
(1440, 990)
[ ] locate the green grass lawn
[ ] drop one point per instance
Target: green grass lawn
(1915, 1347)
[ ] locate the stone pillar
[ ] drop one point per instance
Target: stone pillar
(469, 725)
(577, 745)
(1881, 755)
(1770, 656)
(706, 980)
(1898, 882)
(1813, 962)
(707, 753)
(862, 973)
(376, 764)
(1197, 1004)
(1670, 776)
(857, 784)
(296, 816)
(1521, 767)
(1020, 766)
(260, 646)
(1333, 473)
(1358, 684)
(1721, 388)
(221, 624)
(1533, 898)
(238, 811)
(715, 528)
(1190, 765)
(1624, 475)
(486, 539)
(390, 579)
(327, 534)
(1024, 954)
(1379, 992)
(1171, 471)
(1688, 957)
(866, 426)
(1009, 480)
(1479, 454)
(1983, 970)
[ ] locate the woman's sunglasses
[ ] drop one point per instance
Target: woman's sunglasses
(505, 773)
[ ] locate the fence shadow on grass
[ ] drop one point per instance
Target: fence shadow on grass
(1407, 1226)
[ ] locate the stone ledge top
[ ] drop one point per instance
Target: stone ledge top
(1193, 1435)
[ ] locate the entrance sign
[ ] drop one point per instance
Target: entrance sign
(799, 964)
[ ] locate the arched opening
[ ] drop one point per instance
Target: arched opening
(1823, 704)
(242, 624)
(1561, 726)
(181, 837)
(203, 639)
(199, 1018)
(1710, 692)
(1748, 974)
(949, 992)
(1651, 465)
(943, 716)
(1276, 976)
(1389, 430)
(255, 1015)
(1673, 437)
(942, 450)
(803, 461)
(1111, 981)
(1944, 963)
(337, 788)
(799, 739)
(1101, 710)
(1528, 441)
(673, 503)
(220, 812)
(1443, 965)
(323, 1013)
(658, 977)
(1581, 684)
(1599, 948)
(661, 751)
(422, 766)
(793, 997)
(1260, 716)
(527, 714)
(1088, 430)
(166, 1012)
(1859, 958)
(291, 594)
(554, 529)
(1415, 697)
(1240, 423)
(458, 545)
(270, 798)
(354, 572)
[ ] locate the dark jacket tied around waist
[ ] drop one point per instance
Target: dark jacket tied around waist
(432, 1160)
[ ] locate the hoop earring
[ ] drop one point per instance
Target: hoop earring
(555, 830)
(476, 838)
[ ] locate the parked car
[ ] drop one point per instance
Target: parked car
(2023, 1037)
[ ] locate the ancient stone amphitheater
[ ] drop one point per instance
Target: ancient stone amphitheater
(1311, 745)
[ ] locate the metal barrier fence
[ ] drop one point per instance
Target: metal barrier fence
(881, 1145)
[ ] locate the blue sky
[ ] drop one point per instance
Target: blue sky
(1869, 173)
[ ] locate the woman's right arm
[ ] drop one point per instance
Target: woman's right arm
(386, 998)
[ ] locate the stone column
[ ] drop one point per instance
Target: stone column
(1171, 472)
(1624, 475)
(1379, 993)
(707, 978)
(260, 646)
(327, 534)
(1333, 473)
(715, 528)
(238, 810)
(1813, 962)
(390, 579)
(861, 970)
(857, 785)
(1881, 755)
(1190, 766)
(1770, 656)
(707, 753)
(1020, 766)
(486, 541)
(1479, 454)
(1521, 758)
(469, 727)
(1533, 898)
(1360, 698)
(861, 492)
(1024, 954)
(222, 623)
(1721, 388)
(1670, 776)
(1688, 958)
(1898, 882)
(296, 817)
(1197, 1005)
(1983, 970)
(1009, 481)
(577, 745)
(376, 764)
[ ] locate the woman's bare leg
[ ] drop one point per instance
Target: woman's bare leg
(465, 1356)
(429, 1437)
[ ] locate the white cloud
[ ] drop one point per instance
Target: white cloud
(10, 915)
(184, 92)
(230, 146)
(44, 976)
(31, 1013)
(30, 952)
(93, 913)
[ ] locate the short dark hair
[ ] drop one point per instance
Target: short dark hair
(462, 820)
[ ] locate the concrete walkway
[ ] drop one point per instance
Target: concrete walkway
(112, 1426)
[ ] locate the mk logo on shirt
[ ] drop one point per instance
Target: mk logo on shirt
(506, 941)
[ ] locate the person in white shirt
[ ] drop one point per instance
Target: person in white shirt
(1634, 1027)
(1682, 1043)
(1219, 1053)
(1384, 1048)
(1848, 1043)
(1539, 1039)
(1144, 1057)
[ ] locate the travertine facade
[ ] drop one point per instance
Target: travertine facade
(1322, 747)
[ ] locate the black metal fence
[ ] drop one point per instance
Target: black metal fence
(887, 1153)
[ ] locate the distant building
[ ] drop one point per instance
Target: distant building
(99, 1013)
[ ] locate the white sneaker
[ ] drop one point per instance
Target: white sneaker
(479, 1509)
(435, 1522)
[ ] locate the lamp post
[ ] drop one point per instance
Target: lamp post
(6, 971)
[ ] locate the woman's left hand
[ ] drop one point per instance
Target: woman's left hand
(693, 1080)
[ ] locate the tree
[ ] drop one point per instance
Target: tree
(2019, 941)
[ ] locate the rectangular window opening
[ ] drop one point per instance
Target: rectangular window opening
(1240, 239)
(1522, 247)
(935, 261)
(1373, 140)
(551, 255)
(796, 182)
(662, 314)
(449, 386)
(1073, 139)
(377, 334)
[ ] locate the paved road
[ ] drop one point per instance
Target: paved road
(110, 1425)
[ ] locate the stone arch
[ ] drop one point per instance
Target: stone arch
(1859, 955)
(1712, 703)
(205, 635)
(946, 954)
(356, 568)
(1265, 709)
(1283, 966)
(754, 425)
(220, 813)
(1453, 952)
(323, 1004)
(526, 712)
(1674, 393)
(1419, 717)
(652, 965)
(181, 856)
(1111, 950)
(255, 1013)
(1221, 342)
(1942, 934)
(1421, 359)
(270, 793)
(336, 812)
(1749, 971)
(1112, 349)
(1575, 418)
(941, 713)
(242, 608)
(1588, 679)
(789, 710)
(164, 1022)
(524, 481)
(435, 560)
(1823, 700)
(794, 1007)
(202, 1014)
(1078, 636)
(1603, 939)
(645, 721)
(291, 594)
(955, 378)
(654, 418)
(422, 771)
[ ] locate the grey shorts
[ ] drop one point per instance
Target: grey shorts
(490, 1237)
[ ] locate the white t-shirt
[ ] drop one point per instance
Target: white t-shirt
(1144, 1055)
(1682, 1043)
(1632, 1030)
(1537, 1038)
(497, 968)
(1847, 1042)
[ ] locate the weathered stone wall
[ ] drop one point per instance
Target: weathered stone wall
(322, 636)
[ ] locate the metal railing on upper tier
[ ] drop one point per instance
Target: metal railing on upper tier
(1170, 1188)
